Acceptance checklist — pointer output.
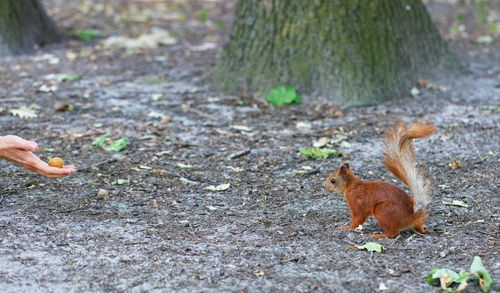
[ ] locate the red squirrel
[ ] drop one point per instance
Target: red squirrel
(391, 206)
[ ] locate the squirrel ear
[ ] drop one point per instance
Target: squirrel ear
(343, 172)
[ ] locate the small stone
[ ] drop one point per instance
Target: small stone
(165, 119)
(382, 287)
(102, 192)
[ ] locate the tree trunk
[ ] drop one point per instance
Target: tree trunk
(23, 26)
(357, 52)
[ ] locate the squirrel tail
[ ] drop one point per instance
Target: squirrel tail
(399, 158)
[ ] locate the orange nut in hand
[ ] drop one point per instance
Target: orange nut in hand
(56, 162)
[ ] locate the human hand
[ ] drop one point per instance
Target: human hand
(20, 151)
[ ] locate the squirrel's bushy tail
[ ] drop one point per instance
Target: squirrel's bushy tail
(399, 158)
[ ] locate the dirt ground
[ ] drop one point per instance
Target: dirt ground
(274, 228)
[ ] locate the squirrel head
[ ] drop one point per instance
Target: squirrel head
(339, 179)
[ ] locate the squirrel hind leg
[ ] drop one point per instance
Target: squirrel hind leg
(387, 218)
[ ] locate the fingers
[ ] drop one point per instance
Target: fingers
(52, 172)
(21, 144)
(19, 151)
(31, 162)
(44, 169)
(27, 145)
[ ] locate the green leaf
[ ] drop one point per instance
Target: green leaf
(450, 277)
(117, 145)
(430, 279)
(184, 166)
(120, 182)
(150, 80)
(318, 153)
(100, 140)
(487, 154)
(484, 39)
(67, 77)
(281, 95)
(371, 246)
(86, 34)
(445, 272)
(490, 107)
(410, 238)
(477, 267)
(220, 24)
(203, 15)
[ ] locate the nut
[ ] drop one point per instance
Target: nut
(56, 162)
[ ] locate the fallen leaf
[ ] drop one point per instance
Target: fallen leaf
(480, 271)
(370, 246)
(154, 114)
(281, 95)
(414, 92)
(47, 88)
(157, 97)
(184, 166)
(321, 142)
(487, 154)
(422, 82)
(318, 153)
(304, 125)
(484, 39)
(64, 107)
(85, 34)
(24, 112)
(117, 145)
(154, 39)
(447, 277)
(120, 182)
(490, 107)
(100, 140)
(220, 187)
(187, 181)
(454, 165)
(61, 77)
(150, 80)
(456, 202)
(240, 127)
(236, 169)
(204, 47)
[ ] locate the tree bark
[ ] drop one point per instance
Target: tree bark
(24, 25)
(357, 52)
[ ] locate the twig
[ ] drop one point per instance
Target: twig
(396, 239)
(240, 154)
(202, 114)
(97, 165)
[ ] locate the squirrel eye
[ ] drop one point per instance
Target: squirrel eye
(333, 181)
